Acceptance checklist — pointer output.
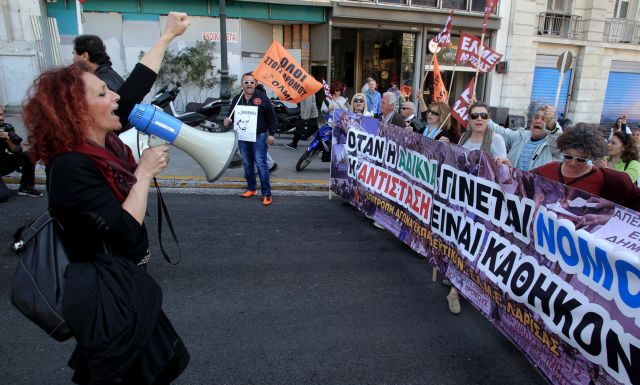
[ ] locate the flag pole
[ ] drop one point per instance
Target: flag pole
(480, 51)
(424, 78)
(453, 74)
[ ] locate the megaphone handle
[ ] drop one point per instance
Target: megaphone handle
(156, 141)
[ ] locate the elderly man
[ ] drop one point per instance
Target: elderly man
(389, 110)
(373, 98)
(408, 112)
(529, 149)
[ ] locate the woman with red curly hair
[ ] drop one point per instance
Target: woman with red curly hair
(336, 102)
(99, 195)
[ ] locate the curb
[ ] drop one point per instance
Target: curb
(176, 181)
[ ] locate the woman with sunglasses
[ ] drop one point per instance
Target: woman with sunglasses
(438, 126)
(580, 145)
(477, 137)
(359, 105)
(623, 155)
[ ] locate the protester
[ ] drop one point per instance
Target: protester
(365, 86)
(580, 145)
(408, 112)
(359, 105)
(14, 158)
(438, 125)
(90, 50)
(99, 196)
(477, 137)
(623, 156)
(528, 149)
(389, 110)
(373, 98)
(254, 154)
(635, 134)
(337, 101)
(620, 125)
(395, 90)
(307, 125)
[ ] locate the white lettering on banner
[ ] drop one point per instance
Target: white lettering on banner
(232, 37)
(614, 274)
(468, 49)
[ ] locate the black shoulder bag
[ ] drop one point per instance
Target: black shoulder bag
(38, 282)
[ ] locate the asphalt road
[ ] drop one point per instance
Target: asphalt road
(306, 291)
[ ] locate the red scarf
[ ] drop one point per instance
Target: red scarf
(114, 161)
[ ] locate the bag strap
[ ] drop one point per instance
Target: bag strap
(162, 208)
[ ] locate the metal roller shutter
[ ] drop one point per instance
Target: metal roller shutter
(623, 93)
(545, 82)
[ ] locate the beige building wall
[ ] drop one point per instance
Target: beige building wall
(592, 56)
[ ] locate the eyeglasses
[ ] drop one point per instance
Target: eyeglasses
(476, 115)
(405, 108)
(577, 158)
(248, 82)
(434, 113)
(358, 100)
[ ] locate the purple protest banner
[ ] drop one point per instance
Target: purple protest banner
(555, 269)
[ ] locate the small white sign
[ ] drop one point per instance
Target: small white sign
(232, 37)
(245, 122)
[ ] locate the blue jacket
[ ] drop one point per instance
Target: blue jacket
(373, 102)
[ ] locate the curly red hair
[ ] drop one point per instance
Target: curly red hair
(55, 112)
(337, 86)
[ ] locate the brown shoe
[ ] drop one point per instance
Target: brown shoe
(248, 194)
(267, 200)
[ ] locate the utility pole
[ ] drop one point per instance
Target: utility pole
(225, 89)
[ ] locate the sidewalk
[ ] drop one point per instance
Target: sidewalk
(184, 172)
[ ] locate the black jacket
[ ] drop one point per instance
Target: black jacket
(267, 118)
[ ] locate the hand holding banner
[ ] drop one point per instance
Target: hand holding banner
(279, 71)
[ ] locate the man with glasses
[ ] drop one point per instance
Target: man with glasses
(254, 154)
(408, 112)
(529, 149)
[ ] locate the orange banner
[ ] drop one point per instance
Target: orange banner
(279, 71)
(440, 93)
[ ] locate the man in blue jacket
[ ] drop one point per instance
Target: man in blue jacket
(254, 154)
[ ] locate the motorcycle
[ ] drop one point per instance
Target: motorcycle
(288, 114)
(321, 143)
(197, 114)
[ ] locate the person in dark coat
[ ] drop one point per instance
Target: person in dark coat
(389, 110)
(99, 195)
(90, 50)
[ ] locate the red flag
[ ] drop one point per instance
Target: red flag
(489, 6)
(327, 90)
(279, 71)
(440, 93)
(443, 39)
(460, 110)
(468, 47)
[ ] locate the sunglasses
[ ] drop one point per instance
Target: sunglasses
(358, 100)
(577, 158)
(476, 115)
(434, 113)
(248, 82)
(406, 108)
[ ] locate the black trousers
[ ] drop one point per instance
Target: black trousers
(304, 129)
(17, 162)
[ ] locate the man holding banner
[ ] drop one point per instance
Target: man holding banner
(255, 121)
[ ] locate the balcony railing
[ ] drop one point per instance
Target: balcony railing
(622, 31)
(560, 25)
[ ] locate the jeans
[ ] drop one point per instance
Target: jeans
(255, 155)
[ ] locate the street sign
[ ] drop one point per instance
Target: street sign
(563, 65)
(433, 47)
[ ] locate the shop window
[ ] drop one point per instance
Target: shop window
(425, 3)
(454, 4)
(478, 5)
(404, 2)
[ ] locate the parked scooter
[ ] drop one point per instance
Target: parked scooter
(198, 114)
(321, 143)
(288, 114)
